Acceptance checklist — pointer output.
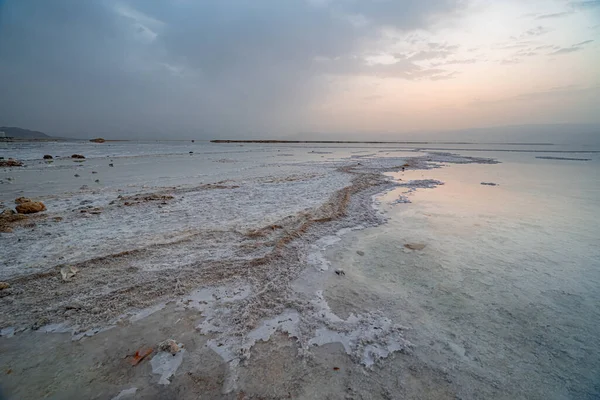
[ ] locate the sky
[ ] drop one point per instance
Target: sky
(282, 68)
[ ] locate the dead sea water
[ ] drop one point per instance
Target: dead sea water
(459, 290)
(505, 295)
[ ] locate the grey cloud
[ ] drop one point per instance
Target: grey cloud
(537, 31)
(403, 68)
(525, 53)
(455, 62)
(517, 45)
(547, 46)
(510, 61)
(430, 54)
(554, 15)
(211, 67)
(583, 43)
(566, 50)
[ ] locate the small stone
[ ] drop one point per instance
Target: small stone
(70, 312)
(110, 165)
(360, 252)
(94, 172)
(76, 175)
(68, 273)
(78, 156)
(48, 157)
(30, 207)
(340, 272)
(169, 345)
(415, 246)
(21, 200)
(4, 285)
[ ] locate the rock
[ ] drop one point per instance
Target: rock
(94, 172)
(4, 285)
(78, 156)
(98, 140)
(31, 207)
(360, 253)
(110, 165)
(169, 345)
(68, 273)
(21, 200)
(340, 272)
(415, 246)
(70, 312)
(97, 181)
(7, 213)
(39, 323)
(48, 157)
(76, 175)
(9, 217)
(191, 152)
(489, 183)
(11, 163)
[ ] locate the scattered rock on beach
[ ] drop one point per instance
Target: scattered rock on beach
(360, 253)
(76, 175)
(4, 285)
(48, 157)
(415, 246)
(98, 140)
(78, 156)
(68, 273)
(340, 272)
(169, 345)
(489, 183)
(21, 200)
(7, 218)
(11, 163)
(31, 207)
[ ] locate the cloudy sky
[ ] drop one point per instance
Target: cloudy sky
(270, 68)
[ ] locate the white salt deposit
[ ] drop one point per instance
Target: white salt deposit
(166, 364)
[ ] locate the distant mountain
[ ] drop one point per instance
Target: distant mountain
(20, 133)
(543, 133)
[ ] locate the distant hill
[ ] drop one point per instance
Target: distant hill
(588, 134)
(20, 133)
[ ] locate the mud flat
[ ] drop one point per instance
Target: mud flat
(230, 269)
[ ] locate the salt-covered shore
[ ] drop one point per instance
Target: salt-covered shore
(230, 266)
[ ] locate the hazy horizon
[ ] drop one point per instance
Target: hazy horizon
(334, 69)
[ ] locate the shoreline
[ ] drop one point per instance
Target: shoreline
(258, 289)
